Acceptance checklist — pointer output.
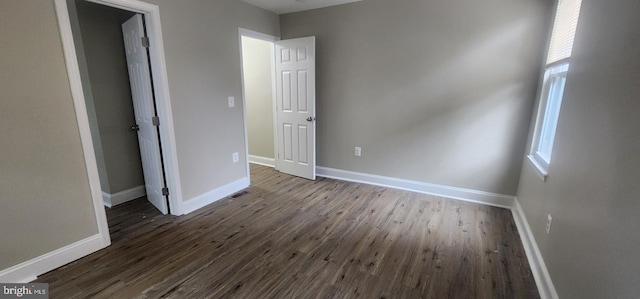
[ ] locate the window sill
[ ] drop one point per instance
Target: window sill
(541, 170)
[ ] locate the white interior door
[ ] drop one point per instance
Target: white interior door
(296, 106)
(144, 109)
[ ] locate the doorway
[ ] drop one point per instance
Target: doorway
(258, 88)
(161, 88)
(290, 116)
(117, 94)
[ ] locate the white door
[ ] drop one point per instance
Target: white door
(144, 109)
(296, 107)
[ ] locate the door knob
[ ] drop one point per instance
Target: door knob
(135, 128)
(311, 118)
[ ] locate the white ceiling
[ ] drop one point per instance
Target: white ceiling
(287, 6)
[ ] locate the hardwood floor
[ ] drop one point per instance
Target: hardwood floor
(288, 237)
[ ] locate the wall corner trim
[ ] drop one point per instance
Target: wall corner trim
(82, 118)
(106, 199)
(482, 197)
(121, 197)
(214, 195)
(264, 161)
(536, 262)
(28, 271)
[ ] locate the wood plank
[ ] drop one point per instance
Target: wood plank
(289, 237)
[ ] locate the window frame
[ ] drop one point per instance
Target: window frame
(541, 162)
(559, 48)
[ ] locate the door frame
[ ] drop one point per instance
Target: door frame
(160, 80)
(271, 39)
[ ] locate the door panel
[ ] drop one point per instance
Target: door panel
(302, 91)
(144, 109)
(303, 150)
(295, 105)
(286, 91)
(288, 142)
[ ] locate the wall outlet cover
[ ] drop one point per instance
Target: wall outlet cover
(232, 102)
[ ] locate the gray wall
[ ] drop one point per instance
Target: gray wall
(258, 95)
(592, 188)
(44, 189)
(433, 91)
(109, 82)
(88, 95)
(203, 61)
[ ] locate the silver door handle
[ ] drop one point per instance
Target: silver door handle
(135, 128)
(311, 118)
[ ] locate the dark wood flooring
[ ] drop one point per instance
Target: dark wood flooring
(288, 237)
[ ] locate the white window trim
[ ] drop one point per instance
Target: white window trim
(541, 165)
(540, 169)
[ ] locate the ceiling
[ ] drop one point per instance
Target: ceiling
(287, 6)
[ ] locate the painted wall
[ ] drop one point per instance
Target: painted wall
(202, 51)
(433, 91)
(44, 189)
(258, 94)
(592, 188)
(88, 95)
(109, 82)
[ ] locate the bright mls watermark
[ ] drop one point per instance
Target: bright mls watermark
(24, 290)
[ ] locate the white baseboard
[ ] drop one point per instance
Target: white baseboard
(106, 199)
(536, 262)
(123, 196)
(487, 198)
(538, 267)
(28, 271)
(264, 161)
(214, 195)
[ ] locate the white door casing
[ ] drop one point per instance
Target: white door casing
(296, 107)
(144, 109)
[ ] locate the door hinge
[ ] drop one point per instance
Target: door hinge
(145, 41)
(165, 191)
(156, 121)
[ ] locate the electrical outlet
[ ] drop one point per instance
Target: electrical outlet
(232, 102)
(357, 151)
(235, 157)
(549, 220)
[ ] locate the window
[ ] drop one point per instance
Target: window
(555, 76)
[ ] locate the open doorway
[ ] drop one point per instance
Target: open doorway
(118, 94)
(278, 79)
(108, 97)
(160, 89)
(259, 92)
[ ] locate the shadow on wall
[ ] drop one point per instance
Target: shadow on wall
(493, 101)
